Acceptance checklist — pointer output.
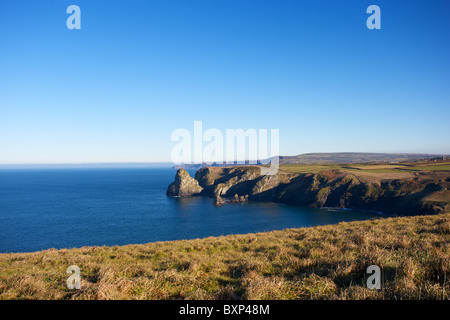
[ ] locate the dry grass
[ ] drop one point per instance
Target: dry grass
(326, 262)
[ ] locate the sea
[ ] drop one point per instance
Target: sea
(70, 208)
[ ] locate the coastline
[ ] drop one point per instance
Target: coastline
(391, 194)
(350, 209)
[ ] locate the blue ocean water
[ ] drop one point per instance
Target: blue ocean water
(66, 208)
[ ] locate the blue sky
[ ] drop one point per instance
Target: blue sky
(115, 90)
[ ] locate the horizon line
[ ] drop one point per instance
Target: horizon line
(172, 163)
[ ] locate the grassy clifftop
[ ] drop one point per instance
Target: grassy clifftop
(394, 189)
(326, 262)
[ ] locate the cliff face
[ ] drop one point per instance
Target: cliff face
(416, 193)
(404, 196)
(184, 185)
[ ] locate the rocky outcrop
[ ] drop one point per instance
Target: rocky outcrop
(406, 196)
(415, 193)
(226, 182)
(184, 185)
(236, 199)
(218, 201)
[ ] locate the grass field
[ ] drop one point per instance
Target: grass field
(326, 262)
(307, 168)
(436, 167)
(371, 168)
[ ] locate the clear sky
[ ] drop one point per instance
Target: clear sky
(115, 90)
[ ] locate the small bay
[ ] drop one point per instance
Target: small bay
(66, 208)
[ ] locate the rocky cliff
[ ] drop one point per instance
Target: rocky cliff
(407, 194)
(184, 185)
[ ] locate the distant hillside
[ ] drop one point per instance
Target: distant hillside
(204, 165)
(334, 157)
(356, 157)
